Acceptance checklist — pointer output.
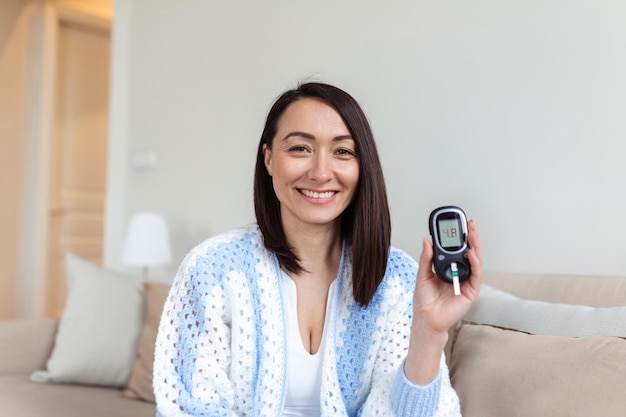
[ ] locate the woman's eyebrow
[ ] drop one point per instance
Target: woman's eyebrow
(301, 134)
(310, 136)
(342, 137)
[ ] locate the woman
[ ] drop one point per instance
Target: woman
(309, 311)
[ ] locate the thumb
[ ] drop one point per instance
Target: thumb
(426, 258)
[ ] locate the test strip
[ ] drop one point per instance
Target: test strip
(455, 279)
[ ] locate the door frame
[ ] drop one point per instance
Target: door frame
(44, 28)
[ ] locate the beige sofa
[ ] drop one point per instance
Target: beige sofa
(25, 347)
(542, 345)
(96, 360)
(550, 376)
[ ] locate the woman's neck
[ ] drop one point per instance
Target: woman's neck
(317, 247)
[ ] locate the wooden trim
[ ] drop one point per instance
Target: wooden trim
(81, 18)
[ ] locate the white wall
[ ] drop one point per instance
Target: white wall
(511, 109)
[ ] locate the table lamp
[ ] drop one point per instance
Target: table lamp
(147, 242)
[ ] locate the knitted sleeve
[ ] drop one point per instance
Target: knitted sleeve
(193, 353)
(437, 399)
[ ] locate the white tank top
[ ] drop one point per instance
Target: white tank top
(304, 371)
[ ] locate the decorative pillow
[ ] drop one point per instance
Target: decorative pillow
(140, 382)
(501, 309)
(498, 372)
(98, 331)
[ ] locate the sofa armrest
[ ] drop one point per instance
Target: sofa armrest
(25, 345)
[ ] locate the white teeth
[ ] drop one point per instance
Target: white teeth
(313, 194)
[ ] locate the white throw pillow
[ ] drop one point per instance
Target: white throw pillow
(499, 308)
(99, 330)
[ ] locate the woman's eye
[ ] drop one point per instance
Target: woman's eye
(298, 148)
(346, 152)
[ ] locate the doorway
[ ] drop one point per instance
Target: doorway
(64, 179)
(78, 153)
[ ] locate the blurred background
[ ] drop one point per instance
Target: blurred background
(513, 110)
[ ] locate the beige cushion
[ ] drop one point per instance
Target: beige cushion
(25, 345)
(499, 372)
(589, 290)
(140, 382)
(501, 309)
(98, 331)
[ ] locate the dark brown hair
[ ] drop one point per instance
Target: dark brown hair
(365, 224)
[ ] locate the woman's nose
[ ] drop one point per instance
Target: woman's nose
(321, 169)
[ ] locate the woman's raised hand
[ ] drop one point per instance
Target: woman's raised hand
(434, 303)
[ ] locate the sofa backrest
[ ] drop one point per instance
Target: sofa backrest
(591, 290)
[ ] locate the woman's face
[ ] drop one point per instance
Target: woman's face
(313, 164)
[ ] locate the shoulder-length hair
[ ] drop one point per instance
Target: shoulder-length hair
(365, 224)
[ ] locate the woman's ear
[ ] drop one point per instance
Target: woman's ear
(267, 157)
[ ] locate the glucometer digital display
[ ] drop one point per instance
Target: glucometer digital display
(448, 230)
(450, 233)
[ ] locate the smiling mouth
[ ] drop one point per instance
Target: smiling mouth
(314, 194)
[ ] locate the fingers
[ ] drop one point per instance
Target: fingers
(473, 238)
(474, 254)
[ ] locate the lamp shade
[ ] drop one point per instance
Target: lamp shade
(147, 241)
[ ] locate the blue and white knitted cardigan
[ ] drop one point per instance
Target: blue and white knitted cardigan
(221, 350)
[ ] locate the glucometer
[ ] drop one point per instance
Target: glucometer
(448, 230)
